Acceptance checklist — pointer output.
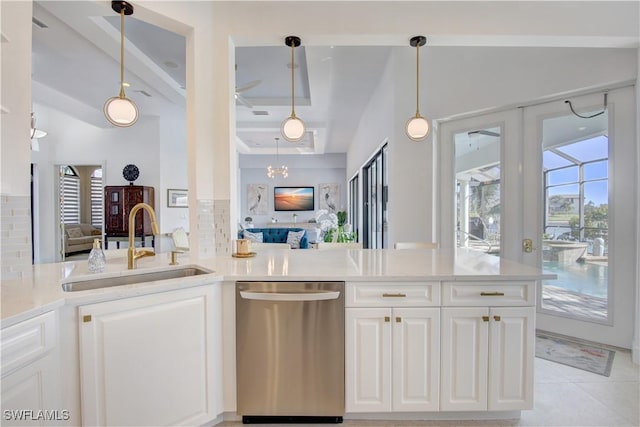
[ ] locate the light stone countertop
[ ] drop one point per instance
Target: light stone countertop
(41, 290)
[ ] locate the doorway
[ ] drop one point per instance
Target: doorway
(80, 201)
(542, 174)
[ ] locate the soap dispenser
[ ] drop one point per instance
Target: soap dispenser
(97, 260)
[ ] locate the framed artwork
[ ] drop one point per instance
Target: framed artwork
(329, 197)
(177, 198)
(257, 203)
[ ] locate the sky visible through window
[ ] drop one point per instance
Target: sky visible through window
(561, 171)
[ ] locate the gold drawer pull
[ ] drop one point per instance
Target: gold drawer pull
(398, 295)
(398, 319)
(387, 319)
(86, 318)
(491, 294)
(485, 318)
(496, 318)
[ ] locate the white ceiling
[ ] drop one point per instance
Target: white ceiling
(78, 55)
(76, 68)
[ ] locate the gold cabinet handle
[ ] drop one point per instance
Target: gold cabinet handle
(485, 318)
(398, 319)
(398, 295)
(86, 318)
(496, 318)
(491, 294)
(387, 319)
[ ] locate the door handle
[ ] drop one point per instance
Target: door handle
(387, 319)
(496, 318)
(491, 294)
(527, 245)
(397, 295)
(398, 319)
(296, 296)
(485, 318)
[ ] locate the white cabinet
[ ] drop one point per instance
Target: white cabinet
(30, 381)
(392, 359)
(487, 358)
(149, 360)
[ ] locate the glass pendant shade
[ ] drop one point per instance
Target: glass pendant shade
(417, 128)
(292, 129)
(121, 112)
(283, 171)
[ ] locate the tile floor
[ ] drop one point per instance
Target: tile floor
(564, 397)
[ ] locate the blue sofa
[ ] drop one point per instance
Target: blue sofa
(277, 235)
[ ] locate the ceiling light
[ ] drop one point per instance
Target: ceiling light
(120, 110)
(35, 132)
(282, 170)
(292, 128)
(417, 126)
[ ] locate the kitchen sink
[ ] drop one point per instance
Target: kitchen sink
(129, 279)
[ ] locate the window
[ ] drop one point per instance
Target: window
(354, 196)
(69, 196)
(96, 198)
(375, 201)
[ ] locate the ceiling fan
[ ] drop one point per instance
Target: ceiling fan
(242, 88)
(483, 132)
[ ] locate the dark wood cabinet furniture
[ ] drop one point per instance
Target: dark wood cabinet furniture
(118, 201)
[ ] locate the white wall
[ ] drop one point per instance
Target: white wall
(157, 147)
(304, 171)
(456, 81)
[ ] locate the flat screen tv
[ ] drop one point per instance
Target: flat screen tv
(293, 198)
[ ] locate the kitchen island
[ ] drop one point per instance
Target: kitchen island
(461, 312)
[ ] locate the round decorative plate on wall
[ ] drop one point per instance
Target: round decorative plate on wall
(130, 173)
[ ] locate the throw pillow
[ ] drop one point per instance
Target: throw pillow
(254, 237)
(294, 237)
(74, 232)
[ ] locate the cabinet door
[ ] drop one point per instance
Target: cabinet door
(368, 359)
(512, 341)
(147, 360)
(416, 359)
(465, 345)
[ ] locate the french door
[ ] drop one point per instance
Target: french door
(547, 188)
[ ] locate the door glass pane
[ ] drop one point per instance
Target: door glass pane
(477, 166)
(575, 240)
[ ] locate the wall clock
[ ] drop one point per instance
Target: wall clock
(130, 173)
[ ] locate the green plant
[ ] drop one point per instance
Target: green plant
(342, 218)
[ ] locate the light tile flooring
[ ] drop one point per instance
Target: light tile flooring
(564, 397)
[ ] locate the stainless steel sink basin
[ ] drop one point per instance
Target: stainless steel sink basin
(107, 282)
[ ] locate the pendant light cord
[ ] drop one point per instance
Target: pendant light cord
(417, 79)
(122, 95)
(293, 110)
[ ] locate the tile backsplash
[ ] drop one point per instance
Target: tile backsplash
(15, 229)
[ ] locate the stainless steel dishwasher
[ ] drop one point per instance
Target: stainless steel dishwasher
(290, 351)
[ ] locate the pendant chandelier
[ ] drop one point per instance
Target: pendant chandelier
(120, 110)
(417, 127)
(292, 128)
(282, 170)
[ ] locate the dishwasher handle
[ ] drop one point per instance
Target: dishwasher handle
(293, 296)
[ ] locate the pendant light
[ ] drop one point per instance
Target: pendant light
(417, 126)
(292, 128)
(282, 170)
(120, 110)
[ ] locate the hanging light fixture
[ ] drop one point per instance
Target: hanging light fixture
(282, 170)
(120, 110)
(292, 127)
(417, 126)
(35, 132)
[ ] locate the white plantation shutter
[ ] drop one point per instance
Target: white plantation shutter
(96, 198)
(70, 197)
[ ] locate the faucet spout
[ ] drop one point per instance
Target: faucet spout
(132, 253)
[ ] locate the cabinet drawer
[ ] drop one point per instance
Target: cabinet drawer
(494, 294)
(392, 294)
(26, 341)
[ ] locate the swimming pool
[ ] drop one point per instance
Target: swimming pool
(587, 278)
